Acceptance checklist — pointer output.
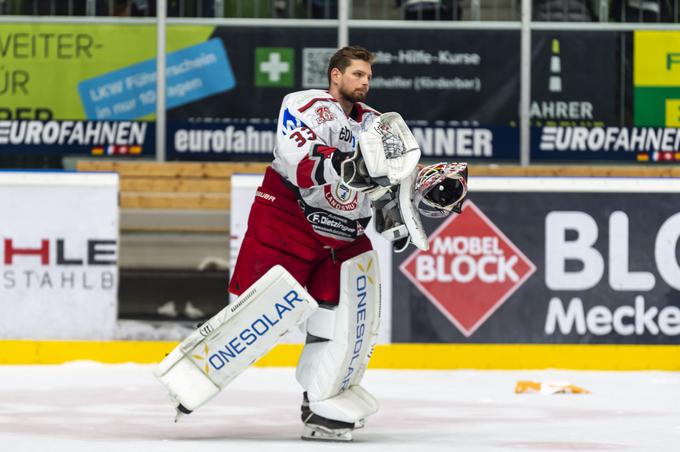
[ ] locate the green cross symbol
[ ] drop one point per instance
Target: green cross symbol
(274, 66)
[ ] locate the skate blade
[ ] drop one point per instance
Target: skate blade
(316, 433)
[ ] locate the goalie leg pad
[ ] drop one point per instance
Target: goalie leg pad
(223, 347)
(333, 364)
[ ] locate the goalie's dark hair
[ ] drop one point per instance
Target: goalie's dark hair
(343, 58)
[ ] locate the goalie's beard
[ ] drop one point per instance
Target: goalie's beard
(354, 96)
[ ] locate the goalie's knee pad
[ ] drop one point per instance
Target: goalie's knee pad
(340, 344)
(223, 347)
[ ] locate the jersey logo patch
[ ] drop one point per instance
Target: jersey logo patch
(324, 114)
(340, 197)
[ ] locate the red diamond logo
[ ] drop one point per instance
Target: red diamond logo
(470, 269)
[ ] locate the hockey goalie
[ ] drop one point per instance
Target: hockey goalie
(305, 260)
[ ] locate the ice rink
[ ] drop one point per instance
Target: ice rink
(86, 406)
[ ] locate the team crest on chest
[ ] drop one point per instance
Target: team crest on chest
(340, 197)
(323, 114)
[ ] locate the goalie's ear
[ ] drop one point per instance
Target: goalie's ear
(335, 75)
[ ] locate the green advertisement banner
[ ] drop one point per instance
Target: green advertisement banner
(42, 65)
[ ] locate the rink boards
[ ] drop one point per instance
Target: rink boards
(386, 356)
(571, 273)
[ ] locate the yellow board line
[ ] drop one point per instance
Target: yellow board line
(388, 356)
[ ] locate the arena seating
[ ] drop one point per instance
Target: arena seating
(173, 185)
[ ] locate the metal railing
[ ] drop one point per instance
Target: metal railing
(294, 9)
(636, 11)
(114, 8)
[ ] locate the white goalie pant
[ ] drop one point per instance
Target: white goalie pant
(224, 346)
(331, 370)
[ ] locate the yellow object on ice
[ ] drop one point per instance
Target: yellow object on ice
(554, 387)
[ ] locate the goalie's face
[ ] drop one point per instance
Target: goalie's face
(352, 85)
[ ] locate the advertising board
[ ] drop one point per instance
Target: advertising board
(59, 255)
(547, 261)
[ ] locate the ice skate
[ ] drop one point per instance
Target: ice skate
(318, 428)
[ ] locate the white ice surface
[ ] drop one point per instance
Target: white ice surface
(93, 407)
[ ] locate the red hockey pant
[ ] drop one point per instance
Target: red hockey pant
(278, 233)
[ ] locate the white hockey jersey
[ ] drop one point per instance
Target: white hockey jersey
(311, 127)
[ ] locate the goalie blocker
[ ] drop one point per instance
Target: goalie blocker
(223, 347)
